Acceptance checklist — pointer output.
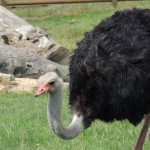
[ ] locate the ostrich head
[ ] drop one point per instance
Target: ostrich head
(49, 82)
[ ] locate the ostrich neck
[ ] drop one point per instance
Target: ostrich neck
(54, 117)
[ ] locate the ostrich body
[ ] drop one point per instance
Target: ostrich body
(109, 76)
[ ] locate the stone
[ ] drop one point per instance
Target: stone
(24, 64)
(19, 33)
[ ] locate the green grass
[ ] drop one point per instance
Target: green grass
(67, 23)
(23, 125)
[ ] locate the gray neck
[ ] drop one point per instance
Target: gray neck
(54, 118)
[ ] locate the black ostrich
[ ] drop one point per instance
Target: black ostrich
(109, 76)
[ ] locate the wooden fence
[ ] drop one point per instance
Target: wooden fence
(40, 2)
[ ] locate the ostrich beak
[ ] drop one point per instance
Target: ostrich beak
(42, 89)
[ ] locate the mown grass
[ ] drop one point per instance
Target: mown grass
(23, 126)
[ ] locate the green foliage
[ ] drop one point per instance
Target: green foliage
(23, 126)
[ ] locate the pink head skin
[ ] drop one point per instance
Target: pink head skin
(42, 89)
(47, 83)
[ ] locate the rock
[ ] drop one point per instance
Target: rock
(9, 20)
(24, 64)
(18, 33)
(58, 54)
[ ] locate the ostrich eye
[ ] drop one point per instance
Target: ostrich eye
(51, 83)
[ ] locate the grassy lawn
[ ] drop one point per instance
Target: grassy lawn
(23, 118)
(23, 126)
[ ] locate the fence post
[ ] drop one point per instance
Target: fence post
(2, 2)
(114, 3)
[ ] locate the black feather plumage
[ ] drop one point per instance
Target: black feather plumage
(110, 70)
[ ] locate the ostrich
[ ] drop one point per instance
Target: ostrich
(109, 76)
